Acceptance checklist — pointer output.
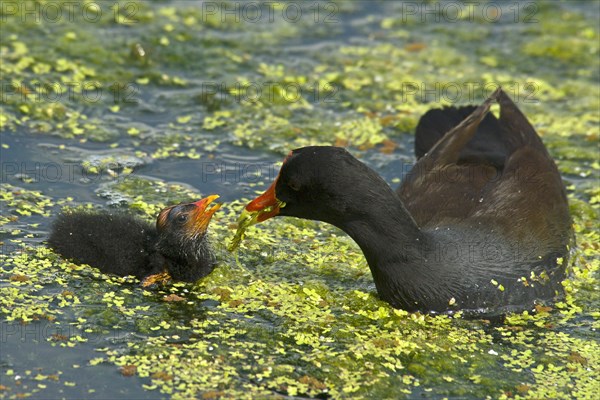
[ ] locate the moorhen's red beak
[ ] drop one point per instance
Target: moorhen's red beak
(265, 200)
(202, 215)
(265, 206)
(260, 209)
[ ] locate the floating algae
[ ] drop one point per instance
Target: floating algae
(246, 220)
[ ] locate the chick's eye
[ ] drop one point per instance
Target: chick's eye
(181, 218)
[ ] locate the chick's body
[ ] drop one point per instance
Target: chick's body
(115, 243)
(122, 244)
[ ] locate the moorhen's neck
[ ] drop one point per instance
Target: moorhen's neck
(393, 245)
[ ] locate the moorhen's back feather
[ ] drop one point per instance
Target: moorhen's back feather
(487, 146)
(444, 189)
(481, 223)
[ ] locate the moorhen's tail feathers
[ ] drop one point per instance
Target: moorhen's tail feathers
(473, 135)
(479, 140)
(447, 150)
(435, 123)
(518, 130)
(502, 165)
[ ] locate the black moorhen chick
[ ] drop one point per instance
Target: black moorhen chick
(121, 244)
(481, 223)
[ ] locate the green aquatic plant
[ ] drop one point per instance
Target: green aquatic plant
(254, 329)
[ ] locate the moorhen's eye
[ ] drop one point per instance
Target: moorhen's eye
(181, 218)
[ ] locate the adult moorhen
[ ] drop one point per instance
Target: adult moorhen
(121, 244)
(481, 223)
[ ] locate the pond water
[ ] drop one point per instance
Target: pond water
(138, 105)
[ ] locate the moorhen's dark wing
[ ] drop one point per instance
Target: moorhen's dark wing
(487, 169)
